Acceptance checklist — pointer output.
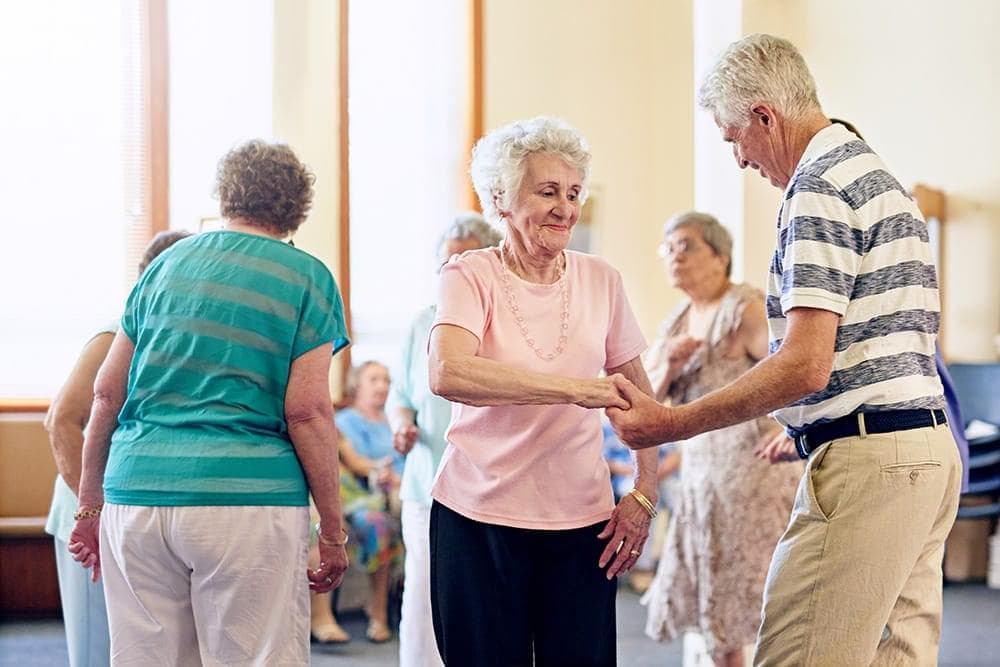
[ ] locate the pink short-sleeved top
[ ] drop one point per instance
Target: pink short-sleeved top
(533, 466)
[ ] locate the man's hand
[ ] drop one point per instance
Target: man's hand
(777, 449)
(645, 424)
(404, 438)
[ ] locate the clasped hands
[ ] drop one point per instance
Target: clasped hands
(637, 418)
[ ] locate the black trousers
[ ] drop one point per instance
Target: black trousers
(511, 597)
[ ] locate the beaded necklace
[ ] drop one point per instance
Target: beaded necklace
(519, 318)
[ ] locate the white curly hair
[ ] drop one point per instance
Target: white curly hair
(498, 159)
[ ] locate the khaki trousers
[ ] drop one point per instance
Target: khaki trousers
(856, 578)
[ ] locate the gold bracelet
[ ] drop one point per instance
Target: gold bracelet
(327, 541)
(88, 513)
(643, 501)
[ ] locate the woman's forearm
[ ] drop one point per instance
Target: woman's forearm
(96, 445)
(481, 382)
(646, 460)
(67, 449)
(356, 464)
(400, 417)
(315, 441)
(109, 396)
(71, 408)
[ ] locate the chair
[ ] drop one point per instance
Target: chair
(978, 390)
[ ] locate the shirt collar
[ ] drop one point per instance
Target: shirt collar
(822, 143)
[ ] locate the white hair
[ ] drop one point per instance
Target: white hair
(498, 160)
(470, 225)
(758, 69)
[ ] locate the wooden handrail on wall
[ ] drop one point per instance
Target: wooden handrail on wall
(8, 405)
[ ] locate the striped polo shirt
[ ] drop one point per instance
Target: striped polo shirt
(851, 241)
(216, 321)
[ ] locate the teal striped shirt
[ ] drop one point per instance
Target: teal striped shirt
(216, 322)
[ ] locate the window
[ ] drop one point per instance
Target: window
(408, 73)
(70, 184)
(86, 123)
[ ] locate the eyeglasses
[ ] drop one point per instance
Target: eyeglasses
(680, 248)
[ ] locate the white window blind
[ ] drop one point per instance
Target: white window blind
(73, 179)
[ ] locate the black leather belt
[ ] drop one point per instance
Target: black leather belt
(875, 422)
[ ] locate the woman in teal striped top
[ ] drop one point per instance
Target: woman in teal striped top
(211, 425)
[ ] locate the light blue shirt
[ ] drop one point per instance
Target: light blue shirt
(373, 440)
(411, 390)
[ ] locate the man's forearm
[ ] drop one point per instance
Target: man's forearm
(775, 382)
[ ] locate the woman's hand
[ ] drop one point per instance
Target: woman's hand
(777, 449)
(385, 475)
(85, 545)
(646, 423)
(606, 392)
(679, 350)
(404, 438)
(332, 566)
(628, 529)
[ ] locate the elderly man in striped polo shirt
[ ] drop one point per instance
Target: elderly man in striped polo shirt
(853, 313)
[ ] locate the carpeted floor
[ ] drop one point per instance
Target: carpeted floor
(970, 637)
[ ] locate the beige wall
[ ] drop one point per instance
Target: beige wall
(919, 84)
(306, 108)
(919, 79)
(622, 74)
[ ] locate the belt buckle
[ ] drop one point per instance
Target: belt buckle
(800, 446)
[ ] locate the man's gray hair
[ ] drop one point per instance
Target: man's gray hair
(470, 225)
(498, 160)
(758, 69)
(712, 232)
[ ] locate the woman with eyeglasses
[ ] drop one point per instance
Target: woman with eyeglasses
(731, 506)
(212, 423)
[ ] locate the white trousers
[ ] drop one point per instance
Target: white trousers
(417, 647)
(206, 585)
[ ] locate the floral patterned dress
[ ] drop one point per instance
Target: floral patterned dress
(731, 507)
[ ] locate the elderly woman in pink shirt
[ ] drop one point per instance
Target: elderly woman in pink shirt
(526, 540)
